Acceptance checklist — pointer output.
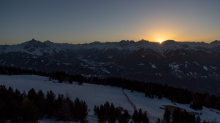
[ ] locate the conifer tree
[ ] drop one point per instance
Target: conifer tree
(50, 99)
(95, 110)
(101, 115)
(28, 112)
(158, 120)
(140, 115)
(145, 118)
(112, 114)
(175, 115)
(166, 116)
(41, 103)
(83, 112)
(135, 116)
(198, 119)
(3, 112)
(64, 113)
(32, 95)
(217, 104)
(126, 116)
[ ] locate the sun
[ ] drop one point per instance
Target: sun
(160, 40)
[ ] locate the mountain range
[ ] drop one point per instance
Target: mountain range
(192, 65)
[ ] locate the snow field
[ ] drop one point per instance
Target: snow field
(94, 94)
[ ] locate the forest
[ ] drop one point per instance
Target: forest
(34, 101)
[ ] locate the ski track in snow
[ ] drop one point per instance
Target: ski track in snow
(132, 104)
(94, 94)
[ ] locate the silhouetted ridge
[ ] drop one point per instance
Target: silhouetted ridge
(217, 42)
(169, 42)
(48, 42)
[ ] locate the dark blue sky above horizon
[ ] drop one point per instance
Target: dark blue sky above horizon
(85, 21)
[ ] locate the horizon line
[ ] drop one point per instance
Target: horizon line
(116, 41)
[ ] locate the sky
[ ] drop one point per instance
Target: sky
(86, 21)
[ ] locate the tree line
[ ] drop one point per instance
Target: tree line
(17, 107)
(21, 107)
(151, 90)
(181, 116)
(112, 114)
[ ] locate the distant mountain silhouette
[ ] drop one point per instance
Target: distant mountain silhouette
(194, 65)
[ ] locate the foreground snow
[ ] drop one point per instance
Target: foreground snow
(98, 94)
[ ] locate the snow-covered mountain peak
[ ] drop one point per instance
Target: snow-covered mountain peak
(215, 43)
(32, 44)
(39, 48)
(124, 43)
(33, 47)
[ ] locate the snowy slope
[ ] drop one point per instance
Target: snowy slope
(99, 94)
